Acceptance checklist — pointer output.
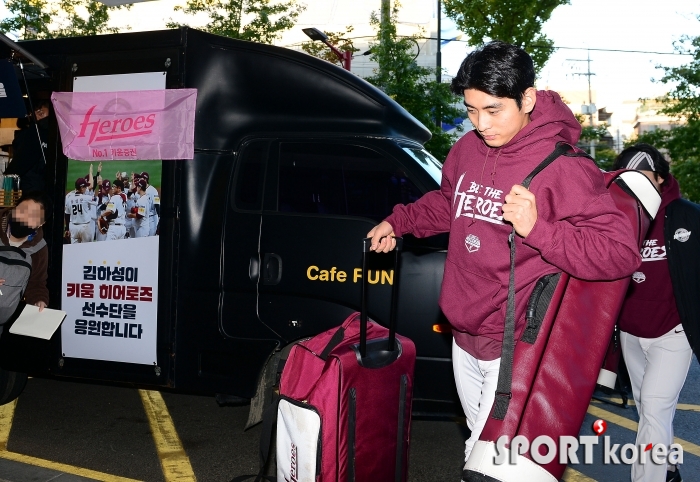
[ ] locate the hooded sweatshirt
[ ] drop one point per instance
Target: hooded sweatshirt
(578, 229)
(650, 307)
(36, 286)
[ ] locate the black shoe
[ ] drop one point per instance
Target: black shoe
(674, 476)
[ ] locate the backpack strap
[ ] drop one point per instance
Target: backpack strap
(13, 249)
(34, 249)
(505, 374)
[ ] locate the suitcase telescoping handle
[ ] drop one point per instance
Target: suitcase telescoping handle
(366, 244)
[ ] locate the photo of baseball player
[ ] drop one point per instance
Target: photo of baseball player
(132, 197)
(152, 192)
(103, 196)
(115, 212)
(141, 216)
(80, 213)
(127, 207)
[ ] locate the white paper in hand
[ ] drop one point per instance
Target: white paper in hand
(39, 325)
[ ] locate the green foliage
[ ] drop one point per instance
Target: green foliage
(338, 40)
(681, 145)
(682, 102)
(412, 86)
(254, 20)
(518, 22)
(41, 19)
(594, 133)
(684, 99)
(604, 158)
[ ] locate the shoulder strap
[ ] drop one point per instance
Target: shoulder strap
(505, 374)
(35, 248)
(13, 249)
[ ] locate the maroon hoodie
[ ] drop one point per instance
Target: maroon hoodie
(579, 230)
(650, 307)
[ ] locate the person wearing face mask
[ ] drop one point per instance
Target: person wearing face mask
(659, 327)
(20, 227)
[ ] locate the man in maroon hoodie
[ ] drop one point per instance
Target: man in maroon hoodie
(655, 343)
(566, 221)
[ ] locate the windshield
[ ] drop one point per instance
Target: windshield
(427, 161)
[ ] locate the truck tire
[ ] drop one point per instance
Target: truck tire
(11, 385)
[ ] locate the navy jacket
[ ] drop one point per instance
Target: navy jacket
(682, 233)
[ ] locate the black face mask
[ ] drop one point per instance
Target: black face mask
(19, 230)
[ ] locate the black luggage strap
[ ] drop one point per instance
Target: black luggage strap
(505, 374)
(268, 429)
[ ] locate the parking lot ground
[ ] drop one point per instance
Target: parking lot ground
(69, 431)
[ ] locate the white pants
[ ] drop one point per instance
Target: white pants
(143, 230)
(153, 220)
(81, 233)
(115, 231)
(657, 369)
(476, 382)
(98, 235)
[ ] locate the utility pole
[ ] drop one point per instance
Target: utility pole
(591, 106)
(385, 18)
(438, 55)
(384, 27)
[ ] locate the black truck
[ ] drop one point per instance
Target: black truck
(260, 234)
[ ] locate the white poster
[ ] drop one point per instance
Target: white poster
(111, 297)
(120, 82)
(110, 251)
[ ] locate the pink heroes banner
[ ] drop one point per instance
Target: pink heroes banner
(130, 125)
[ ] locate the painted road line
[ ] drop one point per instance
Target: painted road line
(688, 447)
(7, 414)
(59, 467)
(572, 475)
(681, 406)
(173, 459)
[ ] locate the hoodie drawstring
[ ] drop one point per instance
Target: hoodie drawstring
(481, 179)
(493, 170)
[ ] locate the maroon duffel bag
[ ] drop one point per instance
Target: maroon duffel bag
(546, 380)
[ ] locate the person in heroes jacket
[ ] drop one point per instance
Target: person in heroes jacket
(660, 319)
(567, 220)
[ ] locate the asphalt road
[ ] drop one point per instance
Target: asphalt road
(106, 433)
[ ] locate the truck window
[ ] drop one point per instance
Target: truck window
(250, 177)
(431, 165)
(341, 180)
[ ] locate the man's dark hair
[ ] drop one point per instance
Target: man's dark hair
(119, 183)
(38, 197)
(498, 69)
(661, 165)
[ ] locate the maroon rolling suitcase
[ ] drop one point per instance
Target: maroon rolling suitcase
(344, 411)
(547, 378)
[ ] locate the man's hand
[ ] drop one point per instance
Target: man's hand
(520, 210)
(382, 238)
(41, 305)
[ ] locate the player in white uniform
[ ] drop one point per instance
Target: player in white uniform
(152, 192)
(102, 200)
(132, 197)
(116, 212)
(142, 216)
(80, 204)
